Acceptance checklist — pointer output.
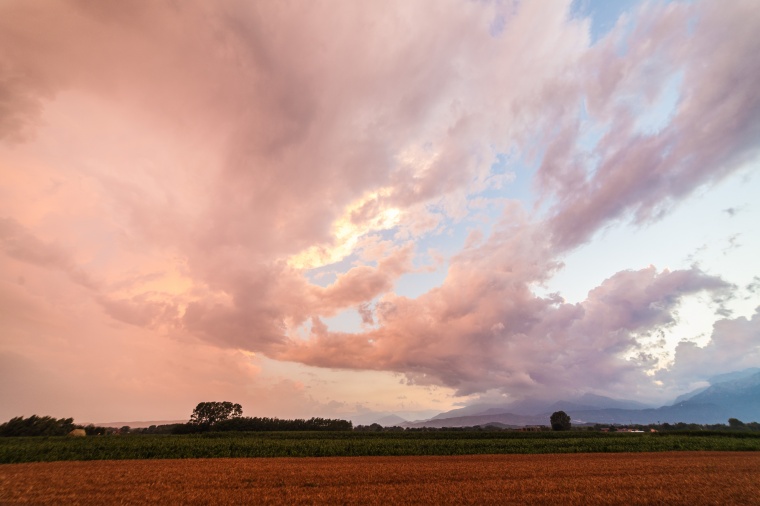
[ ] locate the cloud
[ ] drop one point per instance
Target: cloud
(733, 346)
(711, 133)
(485, 330)
(139, 312)
(18, 243)
(189, 183)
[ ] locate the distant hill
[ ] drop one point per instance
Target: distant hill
(475, 409)
(590, 401)
(720, 378)
(503, 419)
(368, 418)
(389, 420)
(737, 375)
(602, 402)
(733, 395)
(687, 396)
(689, 413)
(136, 425)
(737, 397)
(525, 412)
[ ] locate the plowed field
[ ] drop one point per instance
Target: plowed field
(665, 478)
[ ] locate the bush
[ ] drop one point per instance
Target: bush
(37, 426)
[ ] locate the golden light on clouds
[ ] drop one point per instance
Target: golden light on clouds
(363, 216)
(471, 178)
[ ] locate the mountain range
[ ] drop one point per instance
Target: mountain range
(733, 395)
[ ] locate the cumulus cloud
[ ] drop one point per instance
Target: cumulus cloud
(733, 346)
(199, 178)
(483, 332)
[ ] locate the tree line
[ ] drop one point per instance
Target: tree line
(263, 424)
(227, 416)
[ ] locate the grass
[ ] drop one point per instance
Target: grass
(344, 444)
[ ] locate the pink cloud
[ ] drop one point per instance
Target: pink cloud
(175, 175)
(18, 243)
(484, 329)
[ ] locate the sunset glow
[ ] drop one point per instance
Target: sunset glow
(334, 208)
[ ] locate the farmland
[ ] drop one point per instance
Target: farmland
(350, 444)
(639, 478)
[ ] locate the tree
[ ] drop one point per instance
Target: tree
(560, 420)
(735, 423)
(207, 414)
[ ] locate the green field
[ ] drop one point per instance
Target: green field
(323, 444)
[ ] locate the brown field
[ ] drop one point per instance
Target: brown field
(637, 478)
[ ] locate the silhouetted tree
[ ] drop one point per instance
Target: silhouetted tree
(735, 423)
(560, 420)
(207, 414)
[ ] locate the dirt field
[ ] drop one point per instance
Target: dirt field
(666, 478)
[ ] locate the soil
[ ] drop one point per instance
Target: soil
(632, 478)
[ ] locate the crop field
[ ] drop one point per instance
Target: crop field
(613, 478)
(347, 444)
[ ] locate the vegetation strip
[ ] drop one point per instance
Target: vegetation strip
(346, 444)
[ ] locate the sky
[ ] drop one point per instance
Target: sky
(334, 208)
